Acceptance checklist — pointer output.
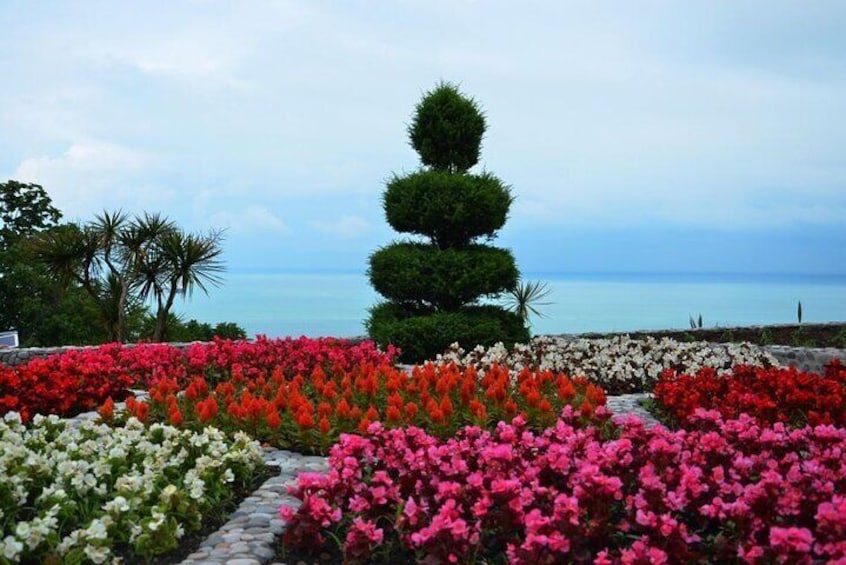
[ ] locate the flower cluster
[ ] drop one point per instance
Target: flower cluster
(92, 492)
(769, 395)
(308, 413)
(619, 364)
(79, 380)
(729, 491)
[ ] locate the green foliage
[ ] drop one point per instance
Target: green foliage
(447, 129)
(799, 312)
(444, 279)
(450, 209)
(121, 262)
(422, 334)
(524, 298)
(434, 287)
(178, 330)
(694, 324)
(766, 337)
(25, 209)
(31, 301)
(727, 336)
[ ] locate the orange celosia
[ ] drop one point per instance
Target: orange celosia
(273, 420)
(107, 410)
(324, 426)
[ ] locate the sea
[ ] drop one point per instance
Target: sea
(336, 304)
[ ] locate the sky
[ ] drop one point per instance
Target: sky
(670, 137)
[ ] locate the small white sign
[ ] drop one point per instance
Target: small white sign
(8, 339)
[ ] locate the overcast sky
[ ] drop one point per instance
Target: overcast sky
(636, 136)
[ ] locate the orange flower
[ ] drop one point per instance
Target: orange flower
(207, 409)
(393, 414)
(107, 410)
(174, 416)
(446, 407)
(142, 409)
(273, 420)
(372, 414)
(324, 426)
(411, 410)
(305, 420)
(510, 406)
(343, 409)
(363, 425)
(324, 409)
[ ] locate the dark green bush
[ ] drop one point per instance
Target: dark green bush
(444, 279)
(447, 130)
(421, 335)
(450, 209)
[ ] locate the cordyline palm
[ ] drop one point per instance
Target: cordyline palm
(118, 261)
(526, 296)
(178, 263)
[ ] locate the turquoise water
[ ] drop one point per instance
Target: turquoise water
(337, 304)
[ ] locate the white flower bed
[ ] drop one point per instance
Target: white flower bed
(619, 364)
(79, 494)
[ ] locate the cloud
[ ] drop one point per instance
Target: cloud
(92, 175)
(347, 227)
(249, 220)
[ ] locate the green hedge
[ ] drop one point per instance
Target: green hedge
(452, 209)
(422, 335)
(444, 279)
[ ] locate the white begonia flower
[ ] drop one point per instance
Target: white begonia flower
(167, 493)
(98, 529)
(11, 548)
(157, 521)
(97, 554)
(228, 476)
(117, 505)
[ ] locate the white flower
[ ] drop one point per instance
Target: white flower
(97, 554)
(11, 548)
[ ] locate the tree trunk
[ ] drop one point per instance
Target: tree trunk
(163, 311)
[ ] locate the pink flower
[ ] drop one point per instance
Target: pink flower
(793, 540)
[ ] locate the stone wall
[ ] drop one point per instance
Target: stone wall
(805, 358)
(11, 356)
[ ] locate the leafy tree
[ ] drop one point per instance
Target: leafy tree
(123, 262)
(31, 301)
(434, 288)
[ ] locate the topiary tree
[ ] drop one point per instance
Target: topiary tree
(433, 288)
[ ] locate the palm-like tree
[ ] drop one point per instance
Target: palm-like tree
(178, 264)
(526, 296)
(122, 262)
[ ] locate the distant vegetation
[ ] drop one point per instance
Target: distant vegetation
(433, 288)
(64, 283)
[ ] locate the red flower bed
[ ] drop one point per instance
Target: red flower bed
(309, 412)
(730, 491)
(769, 395)
(79, 380)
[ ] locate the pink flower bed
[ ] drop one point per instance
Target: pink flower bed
(729, 491)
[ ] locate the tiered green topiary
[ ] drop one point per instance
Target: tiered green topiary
(433, 288)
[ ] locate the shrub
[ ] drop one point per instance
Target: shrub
(728, 491)
(441, 281)
(449, 209)
(424, 332)
(444, 279)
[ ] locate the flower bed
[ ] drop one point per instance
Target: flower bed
(80, 380)
(769, 395)
(309, 413)
(729, 491)
(95, 492)
(619, 364)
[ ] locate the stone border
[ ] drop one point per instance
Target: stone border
(807, 359)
